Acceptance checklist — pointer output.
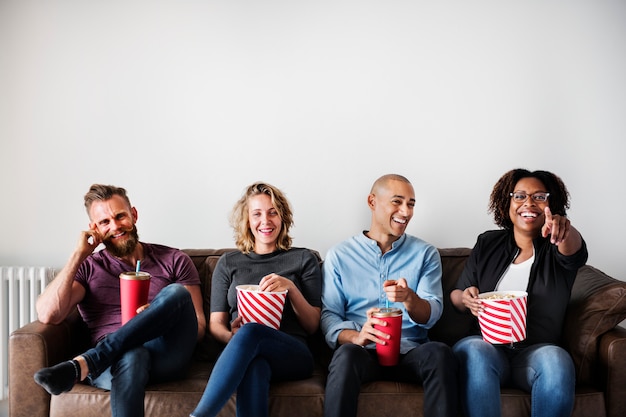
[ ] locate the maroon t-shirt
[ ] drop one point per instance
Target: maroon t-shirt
(100, 272)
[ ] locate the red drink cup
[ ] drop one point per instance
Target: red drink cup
(389, 353)
(134, 288)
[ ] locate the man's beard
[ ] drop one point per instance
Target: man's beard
(122, 249)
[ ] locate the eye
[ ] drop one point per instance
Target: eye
(519, 197)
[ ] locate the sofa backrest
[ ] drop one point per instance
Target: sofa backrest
(452, 325)
(598, 304)
(450, 328)
(205, 261)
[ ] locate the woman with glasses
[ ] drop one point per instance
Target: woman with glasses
(536, 250)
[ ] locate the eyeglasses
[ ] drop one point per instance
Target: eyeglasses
(537, 197)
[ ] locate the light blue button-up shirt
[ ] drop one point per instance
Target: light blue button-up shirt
(353, 276)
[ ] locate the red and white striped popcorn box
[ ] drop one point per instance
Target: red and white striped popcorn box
(263, 307)
(503, 319)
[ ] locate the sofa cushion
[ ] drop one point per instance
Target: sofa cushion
(597, 304)
(452, 326)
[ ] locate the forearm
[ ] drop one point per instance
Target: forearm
(572, 243)
(308, 316)
(348, 336)
(218, 327)
(201, 327)
(456, 296)
(57, 300)
(417, 308)
(196, 297)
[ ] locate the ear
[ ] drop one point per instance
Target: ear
(133, 211)
(371, 201)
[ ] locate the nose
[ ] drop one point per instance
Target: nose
(406, 209)
(114, 225)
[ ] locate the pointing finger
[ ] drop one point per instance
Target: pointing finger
(547, 226)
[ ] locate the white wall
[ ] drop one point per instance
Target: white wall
(185, 103)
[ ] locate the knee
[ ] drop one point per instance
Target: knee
(555, 365)
(348, 352)
(438, 356)
(175, 291)
(473, 350)
(346, 358)
(252, 333)
(438, 351)
(478, 360)
(175, 297)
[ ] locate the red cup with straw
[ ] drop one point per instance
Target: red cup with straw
(389, 353)
(134, 288)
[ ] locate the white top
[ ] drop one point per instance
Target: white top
(516, 277)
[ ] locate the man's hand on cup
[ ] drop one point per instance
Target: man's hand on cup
(370, 334)
(142, 308)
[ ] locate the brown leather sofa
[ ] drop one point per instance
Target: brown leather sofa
(592, 336)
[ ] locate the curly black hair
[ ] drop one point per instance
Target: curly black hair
(500, 200)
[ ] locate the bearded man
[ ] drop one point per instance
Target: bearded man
(154, 346)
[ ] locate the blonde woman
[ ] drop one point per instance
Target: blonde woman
(256, 354)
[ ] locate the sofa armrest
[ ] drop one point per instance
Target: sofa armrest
(32, 347)
(597, 305)
(612, 357)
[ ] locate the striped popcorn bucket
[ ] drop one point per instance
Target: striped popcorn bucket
(503, 319)
(263, 307)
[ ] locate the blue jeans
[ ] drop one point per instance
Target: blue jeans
(254, 356)
(545, 371)
(154, 346)
(432, 364)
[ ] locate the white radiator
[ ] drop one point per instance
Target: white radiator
(19, 288)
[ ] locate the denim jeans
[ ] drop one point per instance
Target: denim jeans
(545, 371)
(154, 346)
(254, 356)
(432, 364)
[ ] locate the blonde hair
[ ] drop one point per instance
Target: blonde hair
(240, 222)
(101, 192)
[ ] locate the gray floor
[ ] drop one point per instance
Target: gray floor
(4, 408)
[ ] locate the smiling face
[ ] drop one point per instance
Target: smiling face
(265, 223)
(392, 208)
(528, 216)
(115, 221)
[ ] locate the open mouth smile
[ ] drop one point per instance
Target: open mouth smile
(117, 236)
